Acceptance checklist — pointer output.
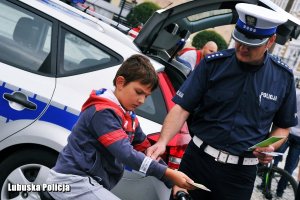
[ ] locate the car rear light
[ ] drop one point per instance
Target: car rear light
(175, 155)
(133, 33)
(175, 148)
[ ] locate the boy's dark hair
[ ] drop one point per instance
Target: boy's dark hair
(138, 68)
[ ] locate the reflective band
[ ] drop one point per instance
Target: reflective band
(145, 165)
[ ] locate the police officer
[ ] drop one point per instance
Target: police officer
(232, 101)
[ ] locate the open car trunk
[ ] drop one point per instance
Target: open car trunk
(166, 32)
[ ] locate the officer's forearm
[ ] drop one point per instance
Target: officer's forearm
(280, 132)
(173, 123)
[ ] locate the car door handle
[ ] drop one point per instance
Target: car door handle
(21, 99)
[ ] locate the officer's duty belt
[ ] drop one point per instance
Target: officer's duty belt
(224, 157)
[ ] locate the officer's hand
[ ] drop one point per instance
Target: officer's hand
(180, 179)
(263, 157)
(155, 151)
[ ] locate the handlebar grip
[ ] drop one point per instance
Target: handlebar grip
(181, 195)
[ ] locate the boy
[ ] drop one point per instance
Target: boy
(102, 140)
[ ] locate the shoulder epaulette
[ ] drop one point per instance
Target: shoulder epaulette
(219, 55)
(279, 62)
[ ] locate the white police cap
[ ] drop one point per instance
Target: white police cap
(256, 24)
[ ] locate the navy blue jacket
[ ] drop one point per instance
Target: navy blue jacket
(100, 143)
(234, 104)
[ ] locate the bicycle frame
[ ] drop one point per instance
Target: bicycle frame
(267, 181)
(270, 176)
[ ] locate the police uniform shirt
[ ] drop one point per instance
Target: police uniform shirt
(234, 106)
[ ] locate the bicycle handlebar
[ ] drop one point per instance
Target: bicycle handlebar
(181, 195)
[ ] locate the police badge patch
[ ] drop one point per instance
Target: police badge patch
(250, 20)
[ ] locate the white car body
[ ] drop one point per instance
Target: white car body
(63, 96)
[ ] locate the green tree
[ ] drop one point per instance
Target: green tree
(203, 37)
(141, 13)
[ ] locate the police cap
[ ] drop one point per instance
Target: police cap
(256, 24)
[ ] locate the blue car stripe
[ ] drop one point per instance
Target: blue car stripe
(60, 117)
(56, 113)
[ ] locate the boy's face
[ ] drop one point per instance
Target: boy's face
(131, 95)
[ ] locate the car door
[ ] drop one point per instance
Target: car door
(27, 79)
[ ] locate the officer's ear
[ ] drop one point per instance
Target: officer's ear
(271, 41)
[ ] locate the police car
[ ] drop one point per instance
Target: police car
(52, 55)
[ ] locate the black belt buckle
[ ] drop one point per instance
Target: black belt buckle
(219, 154)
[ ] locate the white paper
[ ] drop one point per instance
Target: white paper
(200, 186)
(273, 153)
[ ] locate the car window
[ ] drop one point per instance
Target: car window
(81, 55)
(154, 107)
(24, 37)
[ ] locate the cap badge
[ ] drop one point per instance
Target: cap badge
(250, 20)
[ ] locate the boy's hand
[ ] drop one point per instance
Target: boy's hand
(180, 179)
(155, 151)
(263, 157)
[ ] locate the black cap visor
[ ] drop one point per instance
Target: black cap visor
(242, 38)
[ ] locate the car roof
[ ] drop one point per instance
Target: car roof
(181, 20)
(81, 21)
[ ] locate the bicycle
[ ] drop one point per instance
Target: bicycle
(266, 183)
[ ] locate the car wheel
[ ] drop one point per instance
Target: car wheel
(30, 166)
